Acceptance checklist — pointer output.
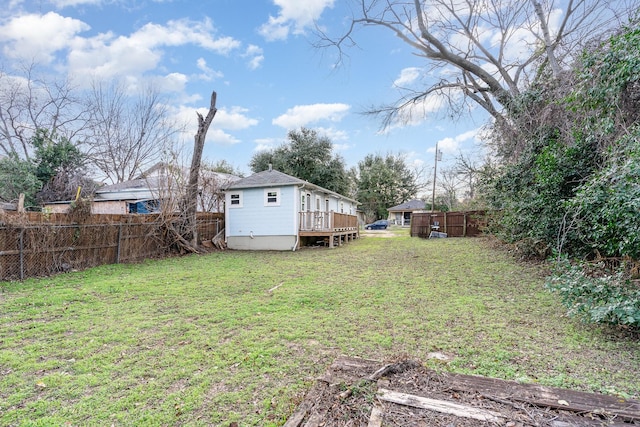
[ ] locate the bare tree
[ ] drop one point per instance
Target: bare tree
(29, 102)
(468, 168)
(181, 229)
(481, 52)
(211, 184)
(191, 196)
(127, 134)
(450, 185)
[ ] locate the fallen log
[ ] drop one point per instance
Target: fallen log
(441, 406)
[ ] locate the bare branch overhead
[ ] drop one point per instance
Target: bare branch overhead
(481, 52)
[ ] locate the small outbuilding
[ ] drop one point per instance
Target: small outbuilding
(271, 210)
(401, 214)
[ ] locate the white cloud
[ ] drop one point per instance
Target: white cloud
(107, 55)
(54, 33)
(225, 120)
(407, 76)
(333, 134)
(301, 115)
(341, 147)
(452, 145)
(220, 137)
(64, 3)
(255, 62)
(263, 144)
(234, 119)
(417, 163)
(294, 16)
(172, 82)
(255, 55)
(415, 113)
(208, 74)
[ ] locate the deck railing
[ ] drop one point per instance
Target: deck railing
(327, 221)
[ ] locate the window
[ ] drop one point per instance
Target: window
(235, 200)
(341, 207)
(302, 199)
(272, 197)
(317, 203)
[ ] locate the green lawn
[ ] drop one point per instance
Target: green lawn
(241, 336)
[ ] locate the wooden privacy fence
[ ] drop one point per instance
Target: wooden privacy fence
(38, 245)
(455, 224)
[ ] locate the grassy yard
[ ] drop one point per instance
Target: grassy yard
(241, 336)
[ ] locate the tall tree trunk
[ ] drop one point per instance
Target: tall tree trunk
(191, 196)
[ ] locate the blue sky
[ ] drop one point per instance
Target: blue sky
(256, 54)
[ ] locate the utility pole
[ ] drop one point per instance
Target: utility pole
(438, 157)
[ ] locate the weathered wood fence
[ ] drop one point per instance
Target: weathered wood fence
(35, 244)
(455, 224)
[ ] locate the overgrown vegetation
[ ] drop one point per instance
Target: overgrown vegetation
(55, 172)
(241, 336)
(571, 181)
(597, 294)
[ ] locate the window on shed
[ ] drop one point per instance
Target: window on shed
(235, 200)
(272, 197)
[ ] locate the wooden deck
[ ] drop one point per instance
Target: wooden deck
(331, 228)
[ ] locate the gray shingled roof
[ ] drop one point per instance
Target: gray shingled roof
(268, 178)
(411, 205)
(274, 178)
(154, 182)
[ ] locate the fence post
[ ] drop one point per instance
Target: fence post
(464, 225)
(22, 253)
(119, 239)
(445, 223)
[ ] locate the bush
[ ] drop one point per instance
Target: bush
(610, 296)
(605, 208)
(574, 185)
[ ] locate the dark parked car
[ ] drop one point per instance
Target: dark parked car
(380, 224)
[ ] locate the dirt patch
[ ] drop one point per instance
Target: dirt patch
(357, 392)
(378, 233)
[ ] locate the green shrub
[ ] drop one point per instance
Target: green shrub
(609, 297)
(606, 207)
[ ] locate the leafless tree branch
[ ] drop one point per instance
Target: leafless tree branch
(494, 45)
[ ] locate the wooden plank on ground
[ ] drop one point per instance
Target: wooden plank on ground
(315, 420)
(341, 369)
(552, 397)
(575, 408)
(297, 417)
(377, 414)
(441, 406)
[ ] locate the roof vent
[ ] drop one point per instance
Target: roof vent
(270, 167)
